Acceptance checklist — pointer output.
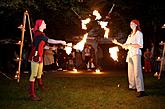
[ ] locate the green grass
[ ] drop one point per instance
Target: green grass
(85, 92)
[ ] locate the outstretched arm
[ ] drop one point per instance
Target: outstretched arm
(116, 42)
(52, 41)
(125, 46)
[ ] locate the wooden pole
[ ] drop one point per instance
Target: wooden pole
(21, 47)
(30, 28)
(22, 43)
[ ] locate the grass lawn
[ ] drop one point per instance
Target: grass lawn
(82, 92)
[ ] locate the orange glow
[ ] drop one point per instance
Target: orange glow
(74, 71)
(98, 72)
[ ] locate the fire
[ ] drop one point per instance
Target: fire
(103, 25)
(68, 48)
(113, 53)
(75, 70)
(80, 45)
(84, 22)
(97, 70)
(97, 14)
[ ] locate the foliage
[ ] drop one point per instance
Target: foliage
(60, 18)
(63, 23)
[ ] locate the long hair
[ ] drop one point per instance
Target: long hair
(137, 23)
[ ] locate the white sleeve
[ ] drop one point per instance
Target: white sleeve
(52, 41)
(139, 39)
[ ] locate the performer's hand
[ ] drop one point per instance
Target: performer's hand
(114, 41)
(39, 59)
(63, 42)
(127, 46)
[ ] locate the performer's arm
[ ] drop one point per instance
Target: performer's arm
(52, 41)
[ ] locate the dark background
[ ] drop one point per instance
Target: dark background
(63, 23)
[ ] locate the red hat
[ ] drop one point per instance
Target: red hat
(136, 22)
(37, 24)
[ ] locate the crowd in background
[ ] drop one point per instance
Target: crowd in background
(56, 58)
(74, 60)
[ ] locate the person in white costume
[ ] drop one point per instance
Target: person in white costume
(133, 44)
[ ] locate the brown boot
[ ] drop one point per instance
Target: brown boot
(33, 96)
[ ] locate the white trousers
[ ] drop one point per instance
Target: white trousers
(135, 76)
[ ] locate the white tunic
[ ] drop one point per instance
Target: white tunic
(137, 38)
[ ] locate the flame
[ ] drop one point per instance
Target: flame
(80, 45)
(97, 70)
(97, 14)
(103, 25)
(68, 48)
(75, 70)
(84, 22)
(18, 58)
(113, 53)
(18, 43)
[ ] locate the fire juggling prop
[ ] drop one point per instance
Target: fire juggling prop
(103, 24)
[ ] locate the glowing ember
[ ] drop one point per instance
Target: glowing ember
(68, 48)
(113, 53)
(80, 45)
